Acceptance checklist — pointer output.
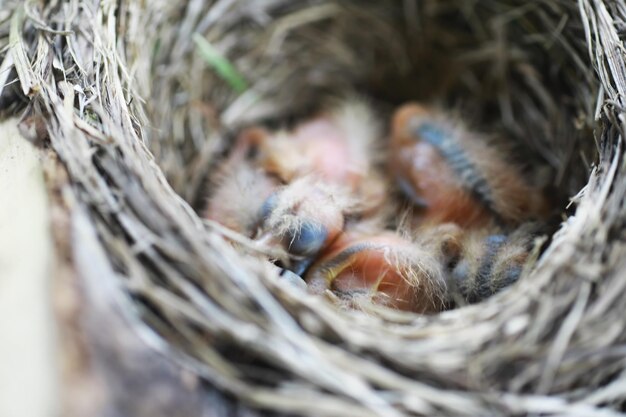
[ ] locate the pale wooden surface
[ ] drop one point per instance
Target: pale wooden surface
(27, 354)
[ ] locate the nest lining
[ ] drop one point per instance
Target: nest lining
(124, 117)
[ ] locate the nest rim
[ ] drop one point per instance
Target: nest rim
(352, 358)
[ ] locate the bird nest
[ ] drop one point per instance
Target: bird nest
(139, 100)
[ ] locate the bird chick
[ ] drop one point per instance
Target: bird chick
(303, 218)
(384, 269)
(337, 147)
(486, 266)
(478, 263)
(453, 175)
(240, 187)
(294, 189)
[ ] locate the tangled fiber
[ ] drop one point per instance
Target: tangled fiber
(123, 95)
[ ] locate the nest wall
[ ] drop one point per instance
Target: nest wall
(138, 120)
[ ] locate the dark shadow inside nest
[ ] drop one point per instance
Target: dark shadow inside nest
(528, 89)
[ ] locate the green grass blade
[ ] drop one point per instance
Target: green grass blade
(220, 64)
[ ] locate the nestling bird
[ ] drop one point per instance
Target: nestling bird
(240, 187)
(486, 265)
(478, 263)
(295, 189)
(338, 147)
(383, 268)
(454, 175)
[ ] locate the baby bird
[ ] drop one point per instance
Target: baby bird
(295, 189)
(453, 175)
(240, 187)
(382, 268)
(337, 147)
(478, 263)
(303, 218)
(489, 263)
(486, 265)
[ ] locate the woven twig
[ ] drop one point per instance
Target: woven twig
(138, 118)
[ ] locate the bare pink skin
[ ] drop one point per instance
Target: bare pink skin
(266, 164)
(326, 149)
(317, 147)
(444, 194)
(322, 149)
(373, 270)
